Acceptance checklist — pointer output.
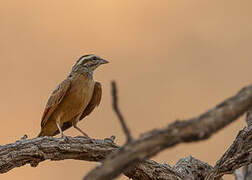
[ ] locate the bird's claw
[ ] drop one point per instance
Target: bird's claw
(90, 139)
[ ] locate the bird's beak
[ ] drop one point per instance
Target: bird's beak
(103, 61)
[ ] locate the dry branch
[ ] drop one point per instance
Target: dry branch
(126, 159)
(195, 129)
(238, 154)
(118, 113)
(34, 151)
(245, 174)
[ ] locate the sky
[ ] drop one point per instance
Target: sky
(171, 60)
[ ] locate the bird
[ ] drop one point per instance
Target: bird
(73, 99)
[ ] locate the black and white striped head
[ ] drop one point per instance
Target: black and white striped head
(88, 62)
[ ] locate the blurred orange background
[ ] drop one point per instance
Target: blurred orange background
(172, 60)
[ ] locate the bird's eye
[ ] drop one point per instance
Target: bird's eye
(95, 58)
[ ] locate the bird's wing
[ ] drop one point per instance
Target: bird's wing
(54, 100)
(95, 101)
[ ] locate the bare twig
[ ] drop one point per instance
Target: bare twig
(246, 173)
(238, 154)
(195, 129)
(118, 113)
(247, 170)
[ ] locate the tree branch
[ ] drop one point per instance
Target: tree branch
(34, 151)
(249, 117)
(247, 172)
(195, 129)
(238, 175)
(118, 113)
(234, 156)
(238, 154)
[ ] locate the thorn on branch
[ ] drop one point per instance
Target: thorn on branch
(110, 139)
(24, 137)
(118, 113)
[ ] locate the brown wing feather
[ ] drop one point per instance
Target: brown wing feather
(95, 101)
(55, 98)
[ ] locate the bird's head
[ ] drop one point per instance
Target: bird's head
(88, 63)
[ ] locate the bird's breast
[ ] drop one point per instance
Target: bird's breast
(81, 90)
(77, 98)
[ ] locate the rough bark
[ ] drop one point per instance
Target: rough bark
(238, 154)
(245, 174)
(195, 129)
(34, 151)
(126, 159)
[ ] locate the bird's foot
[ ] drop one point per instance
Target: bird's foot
(89, 138)
(86, 136)
(92, 140)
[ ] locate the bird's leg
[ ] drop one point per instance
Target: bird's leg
(84, 134)
(76, 127)
(60, 130)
